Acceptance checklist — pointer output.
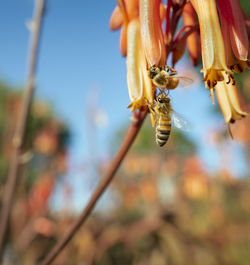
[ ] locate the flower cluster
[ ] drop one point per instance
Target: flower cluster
(214, 29)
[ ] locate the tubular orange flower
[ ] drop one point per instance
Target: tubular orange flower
(134, 75)
(116, 19)
(123, 39)
(151, 32)
(234, 33)
(132, 8)
(228, 101)
(121, 16)
(223, 45)
(179, 43)
(212, 45)
(139, 84)
(123, 35)
(162, 11)
(193, 40)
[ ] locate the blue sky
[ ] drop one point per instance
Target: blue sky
(80, 65)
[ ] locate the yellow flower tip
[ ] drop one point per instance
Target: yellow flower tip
(138, 104)
(211, 77)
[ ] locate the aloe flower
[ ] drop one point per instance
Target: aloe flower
(212, 45)
(126, 11)
(139, 84)
(116, 19)
(229, 102)
(234, 33)
(193, 41)
(151, 32)
(223, 52)
(222, 42)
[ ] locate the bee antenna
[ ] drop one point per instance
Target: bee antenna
(149, 65)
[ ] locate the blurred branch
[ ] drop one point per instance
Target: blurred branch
(127, 142)
(35, 28)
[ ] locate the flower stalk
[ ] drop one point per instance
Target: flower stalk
(138, 119)
(22, 122)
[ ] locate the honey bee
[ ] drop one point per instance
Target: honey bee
(167, 78)
(163, 116)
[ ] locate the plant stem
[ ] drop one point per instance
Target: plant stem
(18, 139)
(127, 142)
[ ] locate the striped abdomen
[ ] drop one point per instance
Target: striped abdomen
(163, 129)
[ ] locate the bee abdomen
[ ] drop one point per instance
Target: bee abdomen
(162, 134)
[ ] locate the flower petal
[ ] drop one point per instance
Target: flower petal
(238, 113)
(231, 12)
(148, 91)
(134, 74)
(228, 101)
(223, 101)
(116, 19)
(193, 40)
(123, 39)
(163, 10)
(151, 32)
(212, 46)
(132, 9)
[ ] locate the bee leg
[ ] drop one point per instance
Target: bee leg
(150, 106)
(168, 68)
(171, 70)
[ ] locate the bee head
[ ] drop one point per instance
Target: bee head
(153, 71)
(163, 99)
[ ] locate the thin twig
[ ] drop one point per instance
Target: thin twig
(35, 28)
(127, 142)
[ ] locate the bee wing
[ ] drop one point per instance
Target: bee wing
(180, 122)
(185, 81)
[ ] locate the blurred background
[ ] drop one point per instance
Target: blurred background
(188, 201)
